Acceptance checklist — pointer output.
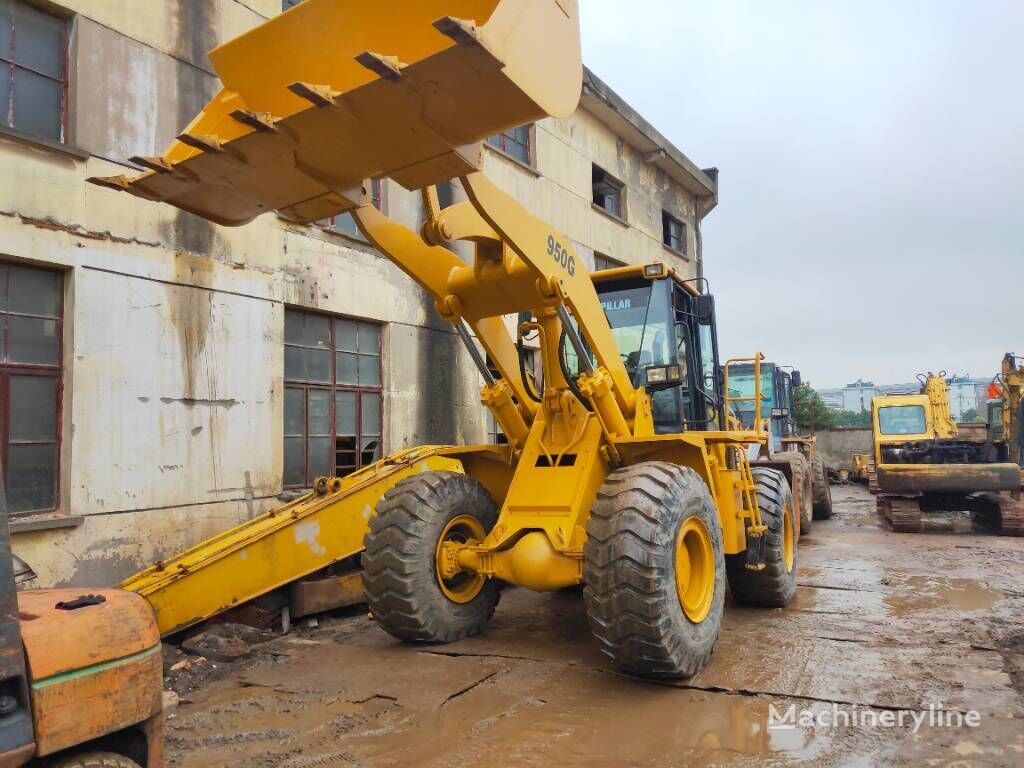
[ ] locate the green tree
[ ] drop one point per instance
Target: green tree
(853, 419)
(971, 416)
(811, 411)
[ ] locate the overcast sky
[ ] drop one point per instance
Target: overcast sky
(871, 199)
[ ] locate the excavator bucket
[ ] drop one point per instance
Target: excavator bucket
(333, 92)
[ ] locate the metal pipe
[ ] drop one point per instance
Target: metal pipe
(574, 339)
(481, 364)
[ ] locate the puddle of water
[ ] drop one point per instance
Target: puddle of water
(919, 593)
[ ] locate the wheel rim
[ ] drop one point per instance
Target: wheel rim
(695, 569)
(787, 537)
(464, 586)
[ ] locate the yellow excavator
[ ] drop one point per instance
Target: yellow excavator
(923, 465)
(618, 473)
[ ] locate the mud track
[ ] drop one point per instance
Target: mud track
(882, 622)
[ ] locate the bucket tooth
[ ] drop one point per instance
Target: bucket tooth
(462, 31)
(155, 164)
(387, 67)
(206, 143)
(120, 183)
(258, 121)
(317, 95)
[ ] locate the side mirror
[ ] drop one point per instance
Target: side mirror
(796, 378)
(705, 308)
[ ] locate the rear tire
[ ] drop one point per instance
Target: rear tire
(822, 490)
(95, 760)
(653, 528)
(400, 577)
(775, 584)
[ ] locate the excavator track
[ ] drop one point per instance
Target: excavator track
(901, 514)
(996, 513)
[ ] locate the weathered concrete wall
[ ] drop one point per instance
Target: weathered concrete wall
(172, 412)
(836, 445)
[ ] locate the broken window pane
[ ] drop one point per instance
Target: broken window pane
(37, 104)
(370, 449)
(607, 191)
(34, 291)
(31, 473)
(32, 340)
(39, 40)
(345, 412)
(33, 408)
(294, 461)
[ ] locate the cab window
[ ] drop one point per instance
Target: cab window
(901, 420)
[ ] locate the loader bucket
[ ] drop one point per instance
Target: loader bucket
(333, 92)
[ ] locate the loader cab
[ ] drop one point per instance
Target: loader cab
(777, 398)
(666, 333)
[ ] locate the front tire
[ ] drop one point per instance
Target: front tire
(775, 584)
(400, 576)
(654, 570)
(822, 490)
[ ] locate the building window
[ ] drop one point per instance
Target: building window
(31, 309)
(345, 223)
(606, 262)
(332, 396)
(673, 233)
(33, 70)
(516, 143)
(608, 192)
(286, 4)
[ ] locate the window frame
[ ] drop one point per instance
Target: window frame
(612, 181)
(12, 66)
(333, 387)
(667, 220)
(330, 224)
(10, 369)
(499, 141)
(611, 263)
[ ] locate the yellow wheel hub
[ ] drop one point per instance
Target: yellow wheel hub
(463, 586)
(787, 537)
(695, 569)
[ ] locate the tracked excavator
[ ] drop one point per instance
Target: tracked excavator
(923, 465)
(619, 474)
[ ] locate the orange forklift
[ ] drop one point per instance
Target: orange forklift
(81, 677)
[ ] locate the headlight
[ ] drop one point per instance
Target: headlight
(663, 374)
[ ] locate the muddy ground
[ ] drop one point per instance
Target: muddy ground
(881, 623)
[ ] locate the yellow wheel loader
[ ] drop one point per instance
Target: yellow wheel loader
(785, 449)
(618, 474)
(923, 465)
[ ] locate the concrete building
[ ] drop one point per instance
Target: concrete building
(163, 378)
